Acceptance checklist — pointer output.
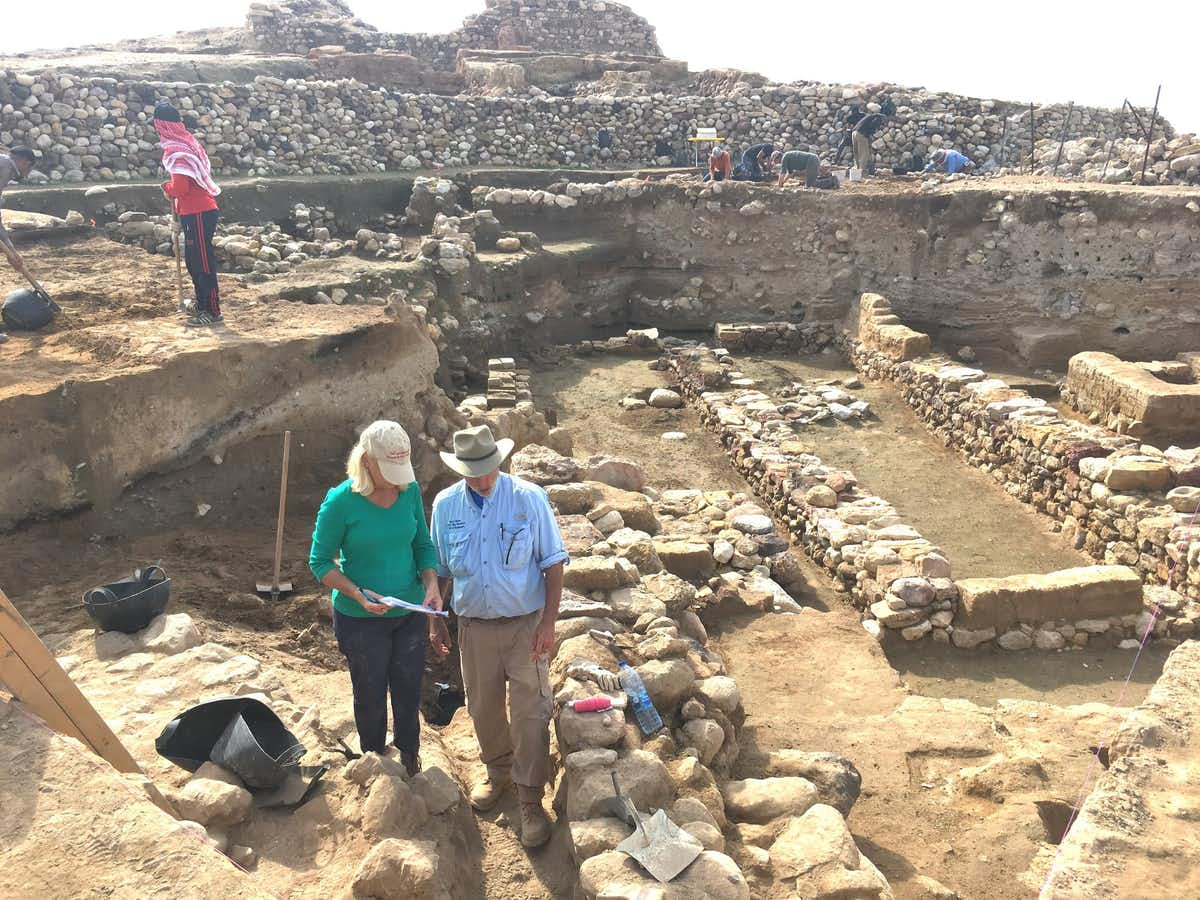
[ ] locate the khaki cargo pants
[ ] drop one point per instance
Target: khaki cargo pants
(514, 742)
(864, 153)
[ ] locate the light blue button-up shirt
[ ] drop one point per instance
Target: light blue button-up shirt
(496, 552)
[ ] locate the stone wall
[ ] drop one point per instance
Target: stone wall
(897, 578)
(97, 128)
(1124, 503)
(1131, 398)
(579, 26)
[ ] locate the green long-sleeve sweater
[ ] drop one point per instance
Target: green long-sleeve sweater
(381, 550)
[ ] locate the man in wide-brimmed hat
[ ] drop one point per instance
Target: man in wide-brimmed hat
(496, 537)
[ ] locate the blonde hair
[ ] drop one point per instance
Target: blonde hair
(359, 472)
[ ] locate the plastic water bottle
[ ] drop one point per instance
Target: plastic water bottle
(647, 716)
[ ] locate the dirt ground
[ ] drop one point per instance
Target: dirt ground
(983, 531)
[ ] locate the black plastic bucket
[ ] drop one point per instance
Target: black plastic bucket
(26, 310)
(253, 742)
(258, 748)
(129, 605)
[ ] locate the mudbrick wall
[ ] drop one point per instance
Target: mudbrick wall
(98, 129)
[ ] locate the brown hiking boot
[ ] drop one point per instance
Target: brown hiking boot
(487, 793)
(535, 824)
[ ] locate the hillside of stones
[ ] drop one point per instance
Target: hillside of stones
(517, 86)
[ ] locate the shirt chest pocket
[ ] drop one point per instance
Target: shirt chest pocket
(516, 545)
(458, 553)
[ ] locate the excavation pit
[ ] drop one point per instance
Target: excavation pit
(807, 448)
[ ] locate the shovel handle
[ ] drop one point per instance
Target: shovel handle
(283, 482)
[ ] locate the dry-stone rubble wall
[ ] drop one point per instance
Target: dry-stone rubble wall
(98, 128)
(1124, 502)
(579, 26)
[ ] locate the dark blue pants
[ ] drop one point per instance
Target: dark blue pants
(386, 655)
(198, 253)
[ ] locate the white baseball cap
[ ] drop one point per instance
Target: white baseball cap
(387, 443)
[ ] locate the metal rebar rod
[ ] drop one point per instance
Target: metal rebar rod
(1062, 137)
(1150, 135)
(1032, 139)
(1111, 140)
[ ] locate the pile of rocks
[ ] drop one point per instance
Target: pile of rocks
(767, 336)
(1123, 502)
(1094, 158)
(591, 26)
(823, 400)
(258, 251)
(900, 580)
(564, 195)
(313, 223)
(431, 197)
(637, 559)
(507, 385)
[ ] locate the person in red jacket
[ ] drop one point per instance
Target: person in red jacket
(720, 165)
(193, 192)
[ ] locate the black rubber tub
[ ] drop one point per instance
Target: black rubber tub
(129, 605)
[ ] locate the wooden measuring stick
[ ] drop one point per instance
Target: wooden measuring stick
(35, 678)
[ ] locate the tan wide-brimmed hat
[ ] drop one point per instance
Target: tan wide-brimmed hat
(477, 452)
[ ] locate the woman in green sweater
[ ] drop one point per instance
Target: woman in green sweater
(374, 523)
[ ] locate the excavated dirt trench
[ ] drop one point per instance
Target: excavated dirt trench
(818, 682)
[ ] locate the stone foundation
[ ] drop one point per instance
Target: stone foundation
(1124, 503)
(1148, 401)
(897, 578)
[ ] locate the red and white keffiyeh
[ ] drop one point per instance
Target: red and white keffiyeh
(183, 155)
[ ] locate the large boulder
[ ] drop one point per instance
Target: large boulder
(816, 856)
(690, 559)
(759, 800)
(214, 796)
(401, 870)
(391, 809)
(668, 682)
(712, 876)
(591, 837)
(599, 573)
(615, 471)
(837, 780)
(579, 731)
(677, 594)
(635, 509)
(543, 466)
(643, 777)
(574, 498)
(720, 692)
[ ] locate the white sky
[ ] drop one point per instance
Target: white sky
(1095, 53)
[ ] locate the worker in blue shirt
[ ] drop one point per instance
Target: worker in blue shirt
(497, 538)
(949, 161)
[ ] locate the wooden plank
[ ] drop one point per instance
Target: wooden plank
(37, 680)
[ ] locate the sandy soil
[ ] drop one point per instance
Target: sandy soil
(984, 532)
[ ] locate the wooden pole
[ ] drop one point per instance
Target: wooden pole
(1150, 135)
(283, 483)
(35, 678)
